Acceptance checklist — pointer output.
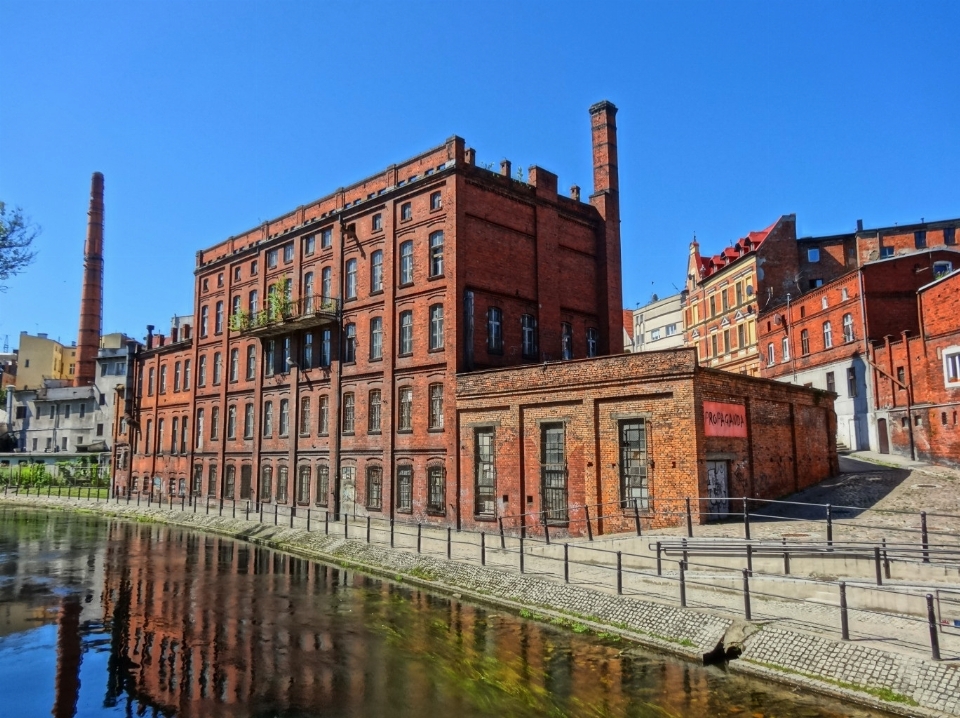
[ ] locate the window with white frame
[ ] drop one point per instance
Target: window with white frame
(771, 355)
(376, 338)
(351, 288)
(593, 341)
(951, 366)
(566, 340)
(495, 330)
(436, 327)
(406, 333)
(436, 406)
(406, 263)
(827, 335)
(376, 271)
(848, 328)
(436, 254)
(528, 336)
(785, 349)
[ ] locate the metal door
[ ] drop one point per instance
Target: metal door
(553, 468)
(882, 435)
(716, 490)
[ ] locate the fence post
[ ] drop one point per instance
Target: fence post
(750, 558)
(276, 514)
(566, 563)
(586, 511)
(521, 554)
(149, 497)
(293, 512)
(326, 523)
(659, 565)
(746, 595)
(689, 520)
(683, 584)
(308, 518)
(449, 542)
(886, 560)
(419, 535)
(932, 622)
(483, 549)
(636, 516)
(746, 520)
(391, 533)
(233, 508)
(620, 573)
(546, 530)
(503, 543)
(183, 504)
(684, 542)
(924, 538)
(876, 561)
(844, 623)
(829, 525)
(786, 559)
(221, 507)
(346, 521)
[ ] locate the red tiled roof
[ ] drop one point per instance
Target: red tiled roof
(628, 322)
(709, 265)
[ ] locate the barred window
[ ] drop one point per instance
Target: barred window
(196, 485)
(212, 481)
(282, 484)
(405, 488)
(230, 480)
(373, 412)
(303, 485)
(435, 490)
(374, 487)
(348, 413)
(323, 485)
(405, 412)
(266, 484)
(436, 406)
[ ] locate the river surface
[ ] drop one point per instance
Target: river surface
(111, 618)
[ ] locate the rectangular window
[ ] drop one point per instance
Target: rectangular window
(950, 236)
(212, 481)
(215, 423)
(405, 488)
(282, 475)
(804, 342)
(163, 379)
(852, 382)
(436, 201)
(376, 222)
(234, 364)
(920, 239)
(436, 327)
(566, 341)
(232, 422)
(373, 412)
(485, 476)
(785, 349)
(376, 338)
(831, 382)
(348, 413)
(326, 238)
(288, 253)
(230, 480)
(633, 464)
(813, 255)
(495, 330)
(326, 283)
(284, 417)
(303, 485)
(553, 468)
(726, 341)
(350, 343)
(406, 263)
(406, 333)
(827, 335)
(713, 305)
(436, 406)
(405, 409)
(528, 334)
(741, 336)
(406, 211)
(951, 368)
(351, 277)
(323, 485)
(273, 257)
(200, 437)
(739, 291)
(196, 486)
(307, 351)
(217, 367)
(325, 340)
(204, 320)
(305, 421)
(266, 483)
(309, 244)
(713, 344)
(268, 419)
(218, 319)
(324, 415)
(436, 499)
(269, 357)
(376, 271)
(436, 254)
(374, 492)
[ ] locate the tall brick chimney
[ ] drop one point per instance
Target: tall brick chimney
(606, 199)
(91, 294)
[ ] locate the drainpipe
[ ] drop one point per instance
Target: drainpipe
(870, 386)
(790, 344)
(340, 357)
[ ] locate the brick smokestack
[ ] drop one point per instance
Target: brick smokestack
(606, 199)
(91, 294)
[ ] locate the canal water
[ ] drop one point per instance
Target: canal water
(114, 618)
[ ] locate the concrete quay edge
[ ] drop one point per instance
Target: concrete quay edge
(522, 592)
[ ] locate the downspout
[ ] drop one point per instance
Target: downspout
(339, 394)
(790, 345)
(870, 386)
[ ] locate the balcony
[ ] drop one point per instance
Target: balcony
(280, 315)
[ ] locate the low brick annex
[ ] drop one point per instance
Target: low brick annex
(537, 443)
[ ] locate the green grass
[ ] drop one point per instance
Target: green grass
(884, 694)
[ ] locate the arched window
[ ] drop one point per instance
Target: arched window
(303, 485)
(827, 335)
(268, 419)
(248, 421)
(436, 491)
(282, 484)
(351, 277)
(374, 488)
(848, 328)
(323, 485)
(266, 483)
(305, 416)
(771, 354)
(436, 254)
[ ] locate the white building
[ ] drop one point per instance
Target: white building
(657, 325)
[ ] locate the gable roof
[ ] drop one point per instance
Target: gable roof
(743, 246)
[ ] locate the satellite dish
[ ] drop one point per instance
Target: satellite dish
(778, 320)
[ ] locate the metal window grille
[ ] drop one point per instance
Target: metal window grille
(405, 418)
(323, 485)
(212, 481)
(553, 467)
(436, 500)
(303, 485)
(348, 413)
(405, 488)
(374, 487)
(436, 406)
(633, 464)
(282, 484)
(485, 477)
(373, 411)
(231, 479)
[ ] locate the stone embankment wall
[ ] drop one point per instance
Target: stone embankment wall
(894, 682)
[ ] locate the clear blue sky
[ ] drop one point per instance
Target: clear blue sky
(208, 117)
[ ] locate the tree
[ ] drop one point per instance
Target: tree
(16, 237)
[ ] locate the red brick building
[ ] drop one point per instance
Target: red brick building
(821, 338)
(320, 367)
(917, 378)
(654, 427)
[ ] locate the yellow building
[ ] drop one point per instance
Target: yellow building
(40, 357)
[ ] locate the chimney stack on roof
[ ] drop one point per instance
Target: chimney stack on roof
(91, 294)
